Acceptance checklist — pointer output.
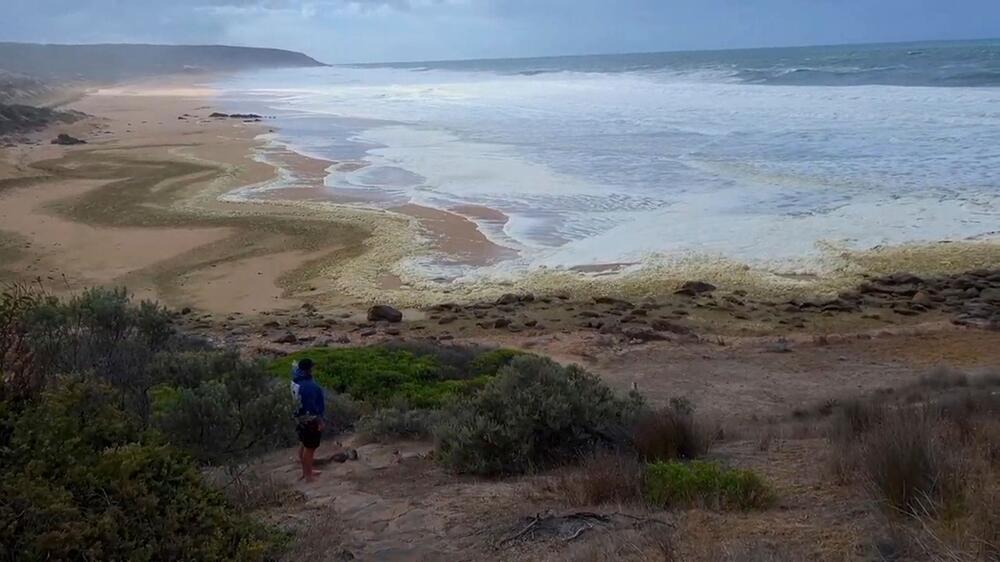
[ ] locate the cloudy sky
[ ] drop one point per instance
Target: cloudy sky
(394, 30)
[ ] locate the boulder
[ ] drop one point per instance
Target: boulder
(512, 298)
(661, 325)
(642, 334)
(901, 279)
(694, 288)
(384, 312)
(67, 140)
(287, 337)
(991, 294)
(922, 298)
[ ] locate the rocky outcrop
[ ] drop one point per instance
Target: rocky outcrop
(382, 312)
(695, 288)
(67, 140)
(16, 119)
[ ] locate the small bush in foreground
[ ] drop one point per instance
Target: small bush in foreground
(902, 458)
(80, 481)
(227, 416)
(603, 477)
(668, 434)
(534, 414)
(935, 461)
(705, 484)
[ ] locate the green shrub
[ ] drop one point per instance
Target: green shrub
(380, 375)
(458, 361)
(396, 423)
(534, 414)
(80, 481)
(490, 362)
(705, 484)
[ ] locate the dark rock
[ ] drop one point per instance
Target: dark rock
(642, 334)
(839, 305)
(384, 312)
(186, 310)
(367, 333)
(695, 288)
(661, 325)
(447, 319)
(512, 298)
(272, 324)
(613, 301)
(905, 311)
(67, 140)
(589, 314)
(531, 323)
(287, 337)
(901, 279)
(991, 294)
(217, 115)
(508, 298)
(501, 323)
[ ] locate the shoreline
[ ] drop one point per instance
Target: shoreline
(209, 246)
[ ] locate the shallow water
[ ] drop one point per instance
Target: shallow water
(771, 157)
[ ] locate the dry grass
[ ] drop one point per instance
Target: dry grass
(668, 434)
(604, 477)
(931, 455)
(652, 544)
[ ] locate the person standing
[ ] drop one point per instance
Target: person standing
(309, 415)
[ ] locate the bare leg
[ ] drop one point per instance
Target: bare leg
(307, 465)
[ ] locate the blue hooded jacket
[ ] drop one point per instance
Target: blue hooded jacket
(308, 393)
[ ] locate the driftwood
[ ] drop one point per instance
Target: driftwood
(571, 526)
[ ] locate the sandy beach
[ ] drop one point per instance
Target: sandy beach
(139, 205)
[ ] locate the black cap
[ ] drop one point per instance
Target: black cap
(306, 364)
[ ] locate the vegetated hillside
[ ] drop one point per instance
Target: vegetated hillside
(17, 88)
(24, 118)
(117, 61)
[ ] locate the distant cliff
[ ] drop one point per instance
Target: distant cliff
(115, 62)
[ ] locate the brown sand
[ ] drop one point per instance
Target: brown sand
(61, 235)
(457, 237)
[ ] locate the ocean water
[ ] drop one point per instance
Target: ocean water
(772, 157)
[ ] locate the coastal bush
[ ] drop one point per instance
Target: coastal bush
(80, 480)
(233, 415)
(342, 412)
(396, 423)
(22, 374)
(100, 331)
(705, 484)
(534, 414)
(427, 379)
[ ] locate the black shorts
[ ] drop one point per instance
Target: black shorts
(309, 433)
